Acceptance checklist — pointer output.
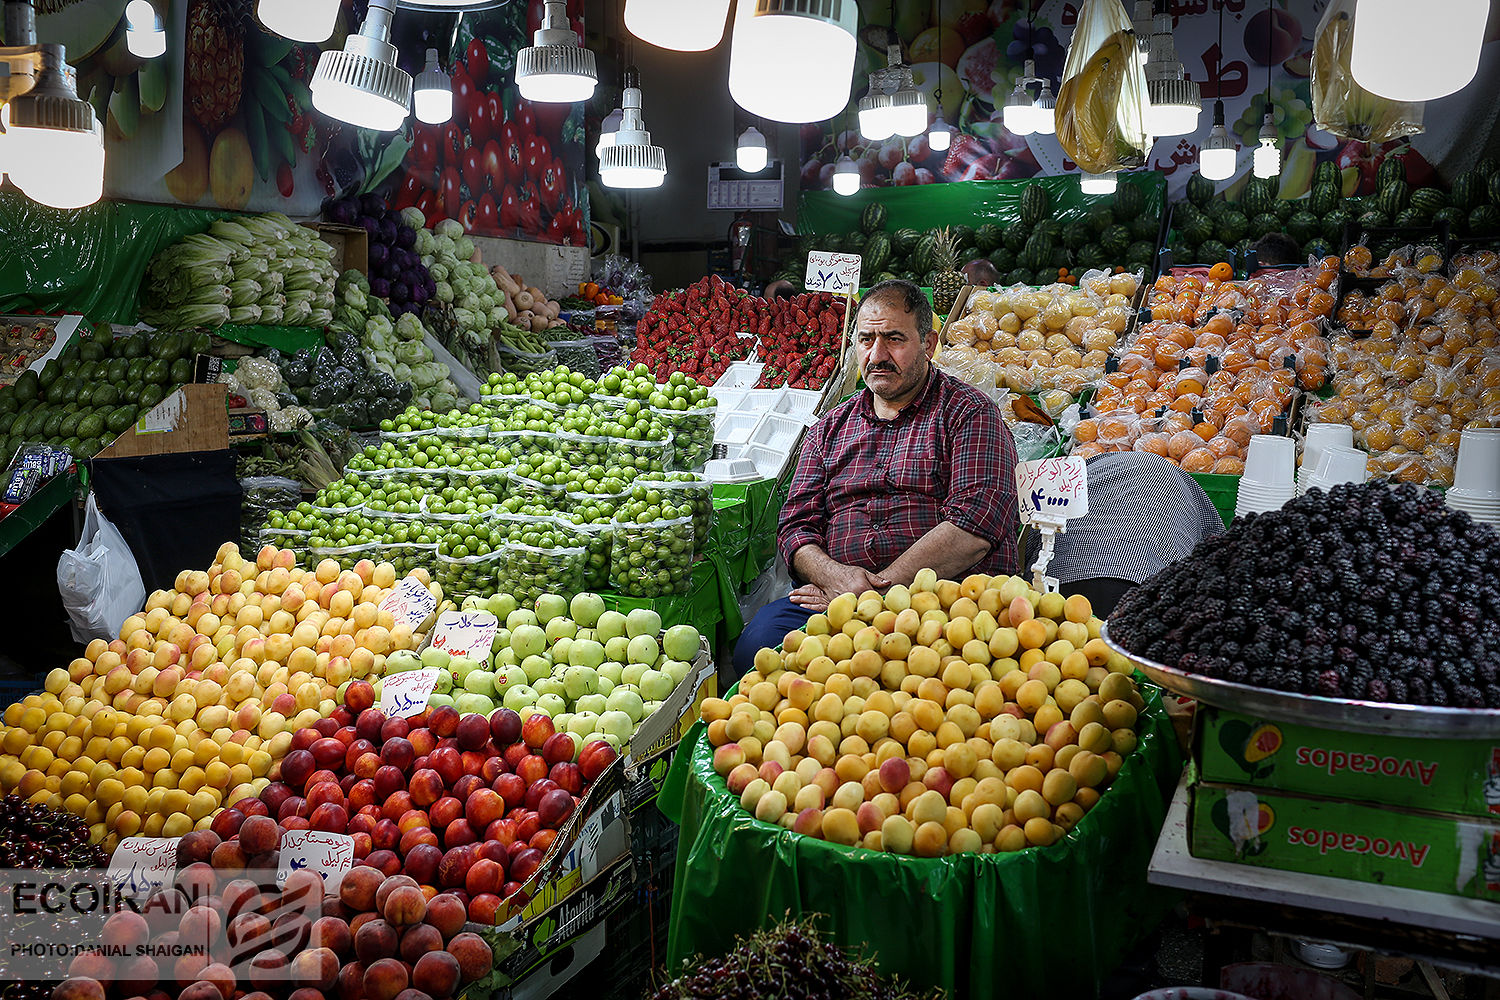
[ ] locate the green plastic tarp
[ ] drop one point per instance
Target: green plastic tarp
(969, 203)
(1040, 922)
(90, 260)
(709, 604)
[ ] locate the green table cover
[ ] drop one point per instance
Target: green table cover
(709, 603)
(1039, 922)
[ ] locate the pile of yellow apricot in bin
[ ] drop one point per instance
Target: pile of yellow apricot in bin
(938, 719)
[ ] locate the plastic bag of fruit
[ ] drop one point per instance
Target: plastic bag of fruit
(577, 354)
(462, 576)
(651, 558)
(644, 457)
(684, 491)
(1339, 104)
(1101, 105)
(597, 539)
(539, 555)
(523, 362)
(692, 435)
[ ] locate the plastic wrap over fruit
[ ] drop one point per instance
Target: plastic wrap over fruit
(1339, 104)
(1101, 106)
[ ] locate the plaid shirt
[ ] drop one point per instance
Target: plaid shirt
(867, 489)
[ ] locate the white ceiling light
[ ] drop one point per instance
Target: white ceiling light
(631, 161)
(846, 178)
(1175, 100)
(893, 106)
(1016, 114)
(145, 34)
(555, 69)
(682, 25)
(54, 142)
(750, 155)
(1044, 112)
(432, 95)
(1387, 32)
(299, 20)
(1267, 155)
(1141, 21)
(1216, 158)
(1104, 183)
(607, 130)
(362, 84)
(793, 60)
(940, 136)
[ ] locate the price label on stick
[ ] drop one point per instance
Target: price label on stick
(465, 633)
(143, 864)
(405, 694)
(832, 272)
(410, 602)
(328, 854)
(1052, 490)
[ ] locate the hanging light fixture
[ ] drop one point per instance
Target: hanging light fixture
(750, 152)
(607, 130)
(299, 20)
(361, 84)
(1044, 112)
(54, 141)
(145, 34)
(1104, 183)
(693, 26)
(1267, 158)
(1175, 101)
(1142, 19)
(1217, 157)
(555, 69)
(1448, 34)
(793, 60)
(940, 135)
(432, 94)
(1017, 113)
(846, 179)
(893, 106)
(631, 161)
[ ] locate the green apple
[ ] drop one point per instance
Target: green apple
(436, 700)
(584, 723)
(377, 686)
(586, 609)
(561, 628)
(528, 640)
(552, 704)
(444, 682)
(585, 635)
(610, 738)
(431, 657)
(650, 707)
(403, 660)
(462, 667)
(508, 677)
(578, 741)
(531, 710)
(579, 681)
(595, 703)
(655, 685)
(339, 694)
(643, 649)
(501, 640)
(616, 724)
(519, 617)
(617, 648)
(586, 653)
(610, 624)
(642, 621)
(632, 673)
(480, 682)
(506, 658)
(549, 685)
(550, 606)
(627, 701)
(473, 603)
(605, 685)
(611, 670)
(681, 642)
(536, 667)
(470, 703)
(677, 670)
(561, 721)
(519, 696)
(500, 605)
(560, 650)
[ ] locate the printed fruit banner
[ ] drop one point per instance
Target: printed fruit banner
(974, 50)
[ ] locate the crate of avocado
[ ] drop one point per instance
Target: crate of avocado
(95, 388)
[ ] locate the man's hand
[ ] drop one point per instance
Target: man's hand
(810, 597)
(830, 578)
(852, 580)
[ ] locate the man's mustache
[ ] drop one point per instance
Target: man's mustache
(883, 367)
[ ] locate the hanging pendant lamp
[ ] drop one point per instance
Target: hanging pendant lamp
(632, 161)
(555, 69)
(1409, 51)
(793, 60)
(680, 25)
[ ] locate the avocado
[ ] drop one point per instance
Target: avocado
(133, 346)
(137, 369)
(53, 425)
(166, 346)
(105, 394)
(85, 395)
(68, 427)
(151, 395)
(133, 389)
(199, 343)
(92, 350)
(49, 375)
(8, 402)
(157, 372)
(69, 444)
(90, 371)
(90, 425)
(120, 418)
(116, 370)
(181, 371)
(27, 386)
(56, 392)
(6, 419)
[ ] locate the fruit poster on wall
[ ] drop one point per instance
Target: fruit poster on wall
(974, 50)
(502, 166)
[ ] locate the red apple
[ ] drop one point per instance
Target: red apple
(567, 776)
(554, 808)
(505, 726)
(536, 729)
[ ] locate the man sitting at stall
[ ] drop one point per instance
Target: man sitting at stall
(915, 471)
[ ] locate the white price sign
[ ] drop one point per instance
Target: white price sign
(405, 694)
(410, 602)
(328, 854)
(1052, 490)
(143, 864)
(465, 633)
(832, 272)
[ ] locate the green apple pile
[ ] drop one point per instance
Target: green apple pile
(598, 674)
(560, 387)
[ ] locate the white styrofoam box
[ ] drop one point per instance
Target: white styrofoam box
(729, 399)
(778, 431)
(730, 470)
(800, 403)
(735, 427)
(759, 401)
(769, 462)
(739, 375)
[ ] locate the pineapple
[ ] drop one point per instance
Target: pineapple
(214, 68)
(945, 279)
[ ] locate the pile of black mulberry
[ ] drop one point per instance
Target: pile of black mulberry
(1370, 591)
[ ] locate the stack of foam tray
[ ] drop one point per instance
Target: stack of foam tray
(764, 425)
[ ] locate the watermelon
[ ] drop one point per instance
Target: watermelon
(1034, 202)
(1484, 220)
(1212, 252)
(1303, 226)
(1326, 172)
(902, 241)
(1456, 218)
(989, 236)
(1197, 228)
(1410, 218)
(1428, 200)
(876, 252)
(1392, 168)
(1494, 188)
(920, 257)
(886, 276)
(1393, 196)
(1091, 257)
(1044, 276)
(872, 219)
(1258, 197)
(1139, 253)
(1468, 189)
(1052, 227)
(1101, 218)
(1200, 190)
(1115, 241)
(1333, 225)
(961, 235)
(1323, 199)
(1218, 207)
(1265, 222)
(1285, 209)
(1018, 276)
(1077, 234)
(1145, 227)
(1487, 167)
(1129, 202)
(1232, 226)
(1374, 219)
(1060, 258)
(1318, 247)
(1037, 253)
(1181, 252)
(967, 254)
(1003, 259)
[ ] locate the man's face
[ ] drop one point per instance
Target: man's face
(892, 357)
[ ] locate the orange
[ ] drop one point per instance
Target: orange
(1181, 443)
(1155, 443)
(1199, 460)
(1229, 466)
(1206, 431)
(1086, 430)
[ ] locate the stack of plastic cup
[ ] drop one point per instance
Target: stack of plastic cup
(1320, 436)
(1337, 464)
(1270, 475)
(1476, 475)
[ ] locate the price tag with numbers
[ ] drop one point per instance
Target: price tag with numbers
(1052, 490)
(405, 694)
(465, 633)
(328, 854)
(832, 272)
(410, 602)
(143, 864)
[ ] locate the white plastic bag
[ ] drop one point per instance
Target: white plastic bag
(100, 582)
(1101, 105)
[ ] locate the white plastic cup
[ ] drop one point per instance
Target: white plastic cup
(1272, 461)
(1477, 471)
(1320, 436)
(1337, 464)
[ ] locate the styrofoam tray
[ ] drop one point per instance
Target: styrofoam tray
(800, 403)
(735, 427)
(729, 400)
(739, 375)
(760, 401)
(776, 430)
(768, 461)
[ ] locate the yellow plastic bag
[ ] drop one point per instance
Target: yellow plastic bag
(1339, 104)
(1101, 106)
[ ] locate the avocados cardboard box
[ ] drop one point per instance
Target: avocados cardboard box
(1435, 852)
(1450, 776)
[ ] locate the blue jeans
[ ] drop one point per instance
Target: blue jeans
(766, 630)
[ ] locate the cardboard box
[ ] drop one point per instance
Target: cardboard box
(548, 937)
(1435, 852)
(351, 245)
(1451, 776)
(191, 419)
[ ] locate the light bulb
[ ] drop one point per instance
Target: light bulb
(672, 24)
(632, 161)
(1044, 111)
(54, 141)
(793, 61)
(1017, 115)
(1174, 101)
(846, 178)
(1387, 33)
(361, 84)
(299, 20)
(750, 153)
(555, 69)
(1217, 156)
(145, 35)
(1267, 155)
(877, 123)
(432, 94)
(1104, 183)
(940, 136)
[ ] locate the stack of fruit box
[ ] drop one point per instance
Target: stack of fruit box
(1409, 812)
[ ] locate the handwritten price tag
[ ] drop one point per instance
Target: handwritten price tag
(832, 272)
(1052, 490)
(405, 694)
(328, 854)
(410, 602)
(142, 864)
(465, 633)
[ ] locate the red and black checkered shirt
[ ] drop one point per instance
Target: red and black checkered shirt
(867, 489)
